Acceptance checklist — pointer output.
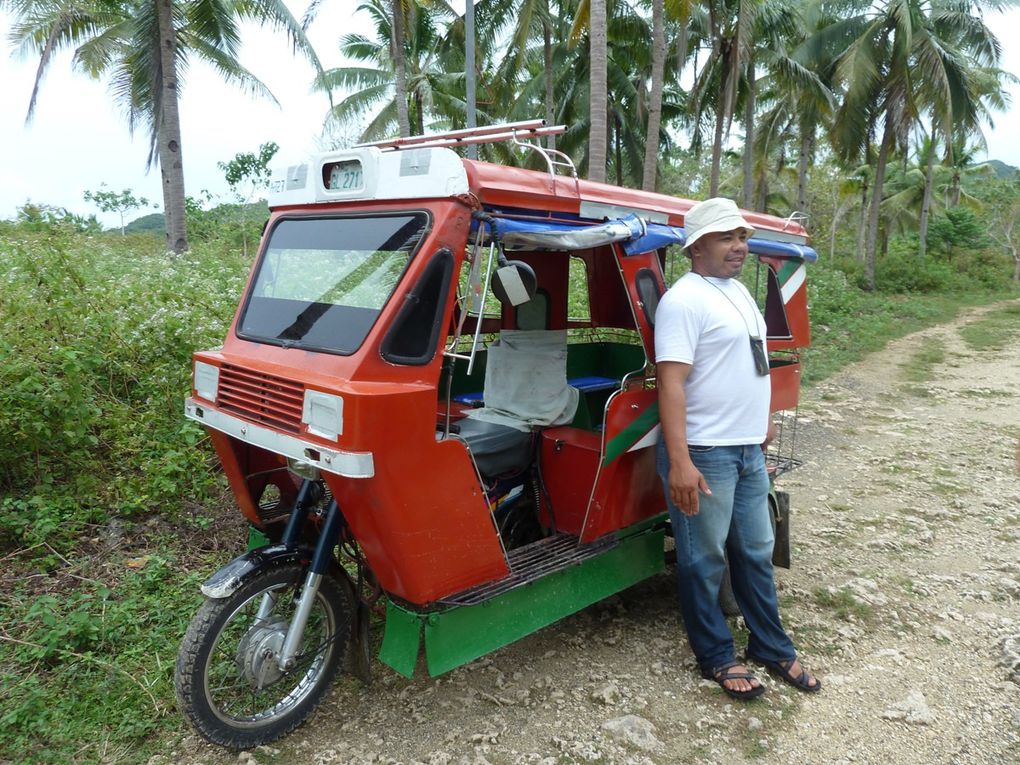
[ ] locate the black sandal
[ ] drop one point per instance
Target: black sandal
(722, 674)
(782, 669)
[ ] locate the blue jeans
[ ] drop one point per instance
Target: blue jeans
(732, 524)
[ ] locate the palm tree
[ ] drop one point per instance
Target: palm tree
(144, 47)
(655, 97)
(904, 57)
(397, 53)
(525, 21)
(725, 27)
(598, 89)
(435, 81)
(520, 81)
(795, 90)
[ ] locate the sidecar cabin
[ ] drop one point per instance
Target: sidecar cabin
(460, 356)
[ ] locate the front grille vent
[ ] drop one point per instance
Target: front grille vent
(262, 398)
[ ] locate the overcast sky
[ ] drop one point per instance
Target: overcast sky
(78, 139)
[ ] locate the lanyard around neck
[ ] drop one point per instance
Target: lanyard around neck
(743, 318)
(758, 354)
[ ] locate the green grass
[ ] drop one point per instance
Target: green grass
(993, 331)
(109, 511)
(756, 750)
(844, 604)
(920, 367)
(874, 321)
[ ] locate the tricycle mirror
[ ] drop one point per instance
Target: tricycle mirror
(514, 283)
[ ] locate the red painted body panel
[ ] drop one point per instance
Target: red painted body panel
(422, 522)
(570, 461)
(785, 386)
(249, 471)
(628, 488)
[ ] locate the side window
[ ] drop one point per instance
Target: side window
(775, 312)
(415, 333)
(648, 291)
(578, 305)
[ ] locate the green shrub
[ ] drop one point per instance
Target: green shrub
(94, 364)
(905, 274)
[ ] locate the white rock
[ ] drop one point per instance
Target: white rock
(633, 730)
(608, 694)
(913, 709)
(867, 590)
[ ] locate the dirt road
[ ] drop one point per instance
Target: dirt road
(904, 598)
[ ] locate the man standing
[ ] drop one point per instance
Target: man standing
(714, 393)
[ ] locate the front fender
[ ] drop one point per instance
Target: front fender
(241, 569)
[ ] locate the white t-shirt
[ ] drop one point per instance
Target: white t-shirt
(695, 323)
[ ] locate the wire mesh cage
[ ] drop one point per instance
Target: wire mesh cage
(781, 453)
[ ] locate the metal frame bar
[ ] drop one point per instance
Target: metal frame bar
(485, 133)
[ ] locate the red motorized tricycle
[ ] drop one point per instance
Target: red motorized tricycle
(435, 407)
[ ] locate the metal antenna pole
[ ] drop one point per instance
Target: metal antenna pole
(469, 70)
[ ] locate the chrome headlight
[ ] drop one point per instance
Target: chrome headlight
(207, 380)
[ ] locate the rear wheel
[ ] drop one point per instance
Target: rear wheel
(228, 680)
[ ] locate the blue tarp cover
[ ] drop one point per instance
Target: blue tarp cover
(635, 235)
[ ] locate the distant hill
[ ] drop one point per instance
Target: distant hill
(1002, 170)
(151, 222)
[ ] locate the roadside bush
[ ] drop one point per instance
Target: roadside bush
(95, 360)
(904, 273)
(989, 269)
(94, 364)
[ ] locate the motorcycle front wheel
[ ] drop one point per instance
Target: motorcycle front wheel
(228, 680)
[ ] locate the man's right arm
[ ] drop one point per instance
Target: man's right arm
(685, 480)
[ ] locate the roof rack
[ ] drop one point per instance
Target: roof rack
(521, 133)
(485, 134)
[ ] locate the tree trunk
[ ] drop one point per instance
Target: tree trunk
(1016, 265)
(617, 151)
(399, 68)
(168, 140)
(419, 116)
(713, 184)
(839, 210)
(550, 100)
(598, 53)
(650, 173)
(803, 161)
(470, 66)
(748, 159)
(888, 137)
(862, 224)
(929, 183)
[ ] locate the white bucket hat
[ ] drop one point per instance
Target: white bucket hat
(712, 216)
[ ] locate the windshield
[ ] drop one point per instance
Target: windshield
(323, 281)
